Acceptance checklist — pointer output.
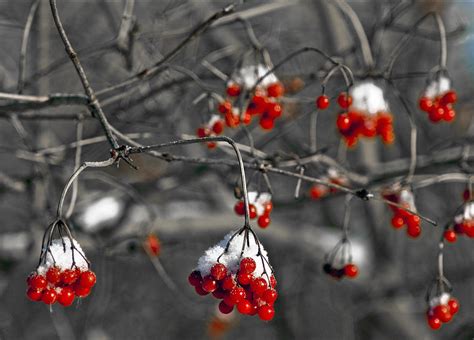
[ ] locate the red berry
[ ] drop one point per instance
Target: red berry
(258, 286)
(66, 296)
(247, 265)
(414, 231)
(34, 294)
(266, 313)
(449, 115)
(244, 278)
(344, 100)
(87, 279)
(450, 236)
(246, 119)
(268, 207)
(273, 281)
(195, 278)
(263, 221)
(218, 127)
(228, 283)
(443, 313)
(434, 322)
(244, 307)
(425, 104)
(69, 276)
(270, 296)
(38, 282)
(200, 291)
(253, 211)
(267, 123)
(218, 271)
(49, 296)
(449, 97)
(343, 122)
(453, 305)
(322, 102)
(275, 90)
(436, 113)
(413, 220)
(225, 308)
(232, 120)
(317, 191)
(274, 110)
(80, 291)
(239, 208)
(233, 89)
(258, 103)
(224, 107)
(236, 294)
(398, 222)
(202, 132)
(351, 270)
(53, 275)
(209, 284)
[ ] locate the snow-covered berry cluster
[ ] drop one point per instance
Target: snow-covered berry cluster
(318, 191)
(63, 275)
(260, 207)
(241, 279)
(366, 114)
(264, 101)
(463, 223)
(404, 197)
(437, 100)
(214, 127)
(441, 309)
(338, 262)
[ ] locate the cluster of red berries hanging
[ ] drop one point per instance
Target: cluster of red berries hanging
(318, 191)
(404, 197)
(438, 99)
(62, 275)
(463, 222)
(214, 127)
(260, 206)
(441, 309)
(264, 101)
(365, 114)
(338, 262)
(241, 280)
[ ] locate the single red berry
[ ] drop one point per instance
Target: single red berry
(434, 322)
(87, 279)
(66, 296)
(450, 236)
(266, 312)
(38, 282)
(343, 122)
(267, 123)
(322, 102)
(246, 119)
(275, 90)
(413, 220)
(53, 275)
(69, 276)
(351, 270)
(224, 107)
(263, 221)
(449, 115)
(270, 296)
(273, 281)
(239, 208)
(244, 278)
(258, 103)
(414, 231)
(344, 100)
(200, 291)
(244, 307)
(81, 291)
(253, 211)
(436, 113)
(202, 132)
(225, 308)
(453, 305)
(232, 120)
(449, 97)
(274, 110)
(425, 104)
(247, 265)
(219, 271)
(268, 207)
(49, 296)
(233, 89)
(218, 127)
(195, 278)
(236, 294)
(443, 313)
(153, 244)
(34, 294)
(209, 284)
(228, 283)
(317, 191)
(397, 221)
(211, 145)
(258, 286)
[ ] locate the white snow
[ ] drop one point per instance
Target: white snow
(61, 256)
(258, 200)
(232, 258)
(104, 211)
(368, 97)
(440, 300)
(467, 215)
(213, 120)
(247, 76)
(437, 87)
(406, 197)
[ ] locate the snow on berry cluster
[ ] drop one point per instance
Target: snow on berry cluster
(260, 206)
(401, 217)
(366, 113)
(264, 102)
(318, 191)
(438, 99)
(441, 309)
(463, 223)
(214, 127)
(240, 280)
(338, 263)
(63, 275)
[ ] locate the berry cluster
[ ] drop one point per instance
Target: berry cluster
(438, 100)
(63, 276)
(441, 309)
(214, 127)
(260, 206)
(338, 262)
(463, 223)
(242, 282)
(401, 217)
(318, 191)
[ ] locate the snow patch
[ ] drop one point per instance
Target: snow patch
(247, 76)
(61, 255)
(368, 97)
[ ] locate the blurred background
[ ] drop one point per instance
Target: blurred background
(190, 206)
